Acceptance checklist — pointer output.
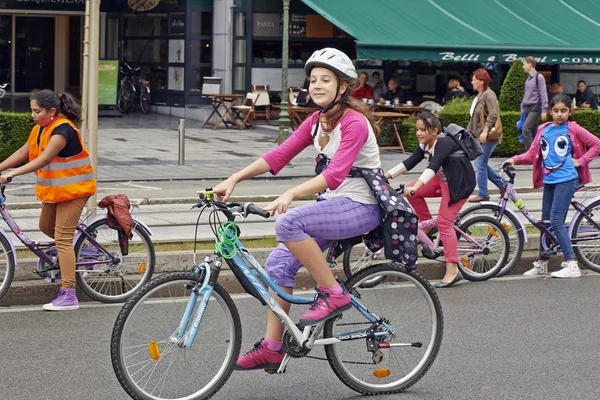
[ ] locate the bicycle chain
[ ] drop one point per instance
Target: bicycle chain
(295, 351)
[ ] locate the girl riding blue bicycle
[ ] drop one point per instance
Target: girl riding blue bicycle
(560, 157)
(344, 132)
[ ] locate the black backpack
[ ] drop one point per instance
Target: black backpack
(468, 143)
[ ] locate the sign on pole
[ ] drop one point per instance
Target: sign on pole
(108, 82)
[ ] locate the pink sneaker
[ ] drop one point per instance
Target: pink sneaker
(66, 300)
(260, 357)
(325, 306)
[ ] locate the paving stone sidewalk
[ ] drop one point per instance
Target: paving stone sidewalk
(139, 147)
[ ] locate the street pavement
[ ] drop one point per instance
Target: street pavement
(503, 339)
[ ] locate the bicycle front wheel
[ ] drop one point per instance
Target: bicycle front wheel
(483, 248)
(108, 281)
(146, 355)
(409, 320)
(512, 226)
(586, 237)
(125, 98)
(7, 265)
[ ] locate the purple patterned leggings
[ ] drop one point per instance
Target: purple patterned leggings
(324, 221)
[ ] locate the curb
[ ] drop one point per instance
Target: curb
(27, 289)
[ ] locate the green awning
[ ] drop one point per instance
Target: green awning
(553, 31)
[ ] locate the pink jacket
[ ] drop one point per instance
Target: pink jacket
(581, 139)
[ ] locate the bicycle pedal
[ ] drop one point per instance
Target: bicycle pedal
(273, 371)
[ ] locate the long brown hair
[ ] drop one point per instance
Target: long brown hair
(332, 117)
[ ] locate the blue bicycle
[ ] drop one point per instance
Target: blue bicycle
(179, 336)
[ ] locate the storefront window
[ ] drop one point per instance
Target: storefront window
(240, 24)
(5, 47)
(145, 51)
(202, 51)
(197, 77)
(239, 77)
(146, 26)
(202, 23)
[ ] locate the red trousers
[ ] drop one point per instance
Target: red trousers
(436, 187)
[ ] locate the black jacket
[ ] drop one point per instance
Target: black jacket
(458, 169)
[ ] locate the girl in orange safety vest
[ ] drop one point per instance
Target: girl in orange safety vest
(64, 178)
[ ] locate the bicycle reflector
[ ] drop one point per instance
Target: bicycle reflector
(506, 228)
(466, 263)
(493, 232)
(381, 373)
(142, 268)
(154, 350)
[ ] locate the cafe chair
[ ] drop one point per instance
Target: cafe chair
(263, 102)
(245, 112)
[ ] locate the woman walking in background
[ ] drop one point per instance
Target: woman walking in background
(485, 125)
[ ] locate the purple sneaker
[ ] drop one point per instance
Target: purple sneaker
(66, 300)
(325, 306)
(260, 357)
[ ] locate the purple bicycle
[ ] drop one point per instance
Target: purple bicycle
(103, 272)
(584, 228)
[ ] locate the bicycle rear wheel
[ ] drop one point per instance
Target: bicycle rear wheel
(145, 99)
(7, 265)
(405, 301)
(106, 281)
(146, 357)
(586, 237)
(359, 257)
(482, 249)
(511, 225)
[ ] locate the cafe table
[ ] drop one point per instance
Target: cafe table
(402, 108)
(395, 119)
(223, 102)
(298, 114)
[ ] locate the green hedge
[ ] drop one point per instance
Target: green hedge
(407, 134)
(14, 131)
(513, 88)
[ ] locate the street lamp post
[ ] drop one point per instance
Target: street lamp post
(284, 117)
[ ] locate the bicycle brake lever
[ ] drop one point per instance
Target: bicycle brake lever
(238, 214)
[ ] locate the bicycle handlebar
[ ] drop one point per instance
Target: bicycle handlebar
(400, 190)
(207, 199)
(510, 171)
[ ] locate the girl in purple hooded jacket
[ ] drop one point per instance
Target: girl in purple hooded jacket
(560, 154)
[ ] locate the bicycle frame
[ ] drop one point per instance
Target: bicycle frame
(251, 271)
(541, 225)
(38, 247)
(425, 240)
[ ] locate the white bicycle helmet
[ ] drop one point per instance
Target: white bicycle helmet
(334, 60)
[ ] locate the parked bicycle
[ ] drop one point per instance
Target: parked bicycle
(133, 87)
(584, 228)
(103, 272)
(483, 247)
(179, 336)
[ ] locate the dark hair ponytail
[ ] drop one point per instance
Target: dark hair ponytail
(64, 103)
(431, 121)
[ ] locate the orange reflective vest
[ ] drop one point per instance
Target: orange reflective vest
(64, 178)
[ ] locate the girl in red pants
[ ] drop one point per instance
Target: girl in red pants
(449, 175)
